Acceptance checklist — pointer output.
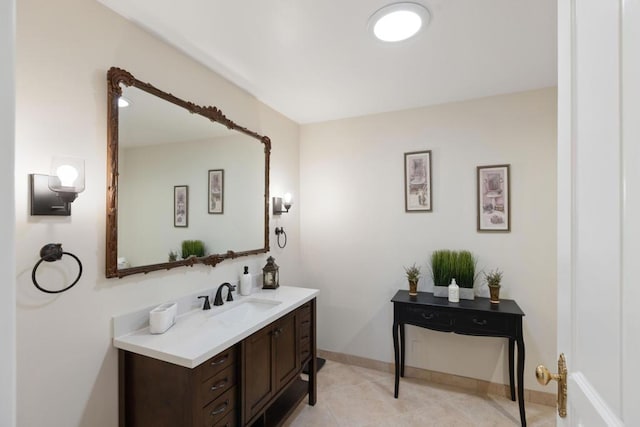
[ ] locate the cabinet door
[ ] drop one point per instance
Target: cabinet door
(287, 356)
(258, 381)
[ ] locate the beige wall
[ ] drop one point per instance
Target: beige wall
(67, 368)
(7, 216)
(356, 237)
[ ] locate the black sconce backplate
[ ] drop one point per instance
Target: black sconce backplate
(43, 200)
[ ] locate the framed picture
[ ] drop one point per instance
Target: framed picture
(216, 191)
(494, 198)
(417, 181)
(181, 206)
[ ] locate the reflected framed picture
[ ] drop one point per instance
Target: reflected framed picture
(216, 191)
(181, 206)
(417, 181)
(494, 198)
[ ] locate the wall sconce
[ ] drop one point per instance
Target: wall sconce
(279, 202)
(53, 194)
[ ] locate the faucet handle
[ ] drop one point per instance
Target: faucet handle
(229, 296)
(207, 305)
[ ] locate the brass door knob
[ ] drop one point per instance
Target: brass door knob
(544, 376)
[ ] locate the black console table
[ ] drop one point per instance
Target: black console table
(468, 317)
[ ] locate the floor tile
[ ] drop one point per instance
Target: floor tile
(351, 396)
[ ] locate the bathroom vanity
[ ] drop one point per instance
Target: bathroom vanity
(239, 364)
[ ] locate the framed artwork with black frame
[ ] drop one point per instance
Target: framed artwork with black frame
(216, 191)
(417, 181)
(494, 198)
(181, 206)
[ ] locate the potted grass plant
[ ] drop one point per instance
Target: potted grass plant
(493, 279)
(465, 273)
(413, 276)
(447, 265)
(443, 263)
(192, 248)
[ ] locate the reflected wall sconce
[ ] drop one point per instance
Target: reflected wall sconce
(279, 202)
(53, 194)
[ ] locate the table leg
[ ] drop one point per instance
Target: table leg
(512, 385)
(396, 352)
(523, 417)
(313, 363)
(402, 350)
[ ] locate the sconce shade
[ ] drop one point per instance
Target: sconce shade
(287, 201)
(280, 202)
(67, 177)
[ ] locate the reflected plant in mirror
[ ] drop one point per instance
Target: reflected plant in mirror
(157, 142)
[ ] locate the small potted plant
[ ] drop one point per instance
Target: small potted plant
(413, 275)
(173, 256)
(493, 279)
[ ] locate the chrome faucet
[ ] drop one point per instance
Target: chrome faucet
(218, 298)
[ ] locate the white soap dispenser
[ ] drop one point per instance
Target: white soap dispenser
(454, 291)
(245, 282)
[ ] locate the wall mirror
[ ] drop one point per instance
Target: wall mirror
(179, 172)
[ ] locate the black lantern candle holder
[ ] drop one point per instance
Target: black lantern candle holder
(270, 274)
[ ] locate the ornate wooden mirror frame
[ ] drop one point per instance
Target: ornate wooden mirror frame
(115, 78)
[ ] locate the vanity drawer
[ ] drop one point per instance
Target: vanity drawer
(228, 421)
(305, 349)
(304, 328)
(305, 325)
(217, 384)
(305, 309)
(428, 317)
(217, 363)
(482, 323)
(216, 411)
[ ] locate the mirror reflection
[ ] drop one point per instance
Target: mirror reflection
(182, 177)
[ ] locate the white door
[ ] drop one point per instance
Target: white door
(599, 209)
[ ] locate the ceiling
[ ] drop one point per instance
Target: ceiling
(316, 61)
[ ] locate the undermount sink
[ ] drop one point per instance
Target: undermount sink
(245, 310)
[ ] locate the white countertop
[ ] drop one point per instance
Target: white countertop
(201, 334)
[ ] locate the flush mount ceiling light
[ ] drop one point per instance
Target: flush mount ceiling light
(399, 21)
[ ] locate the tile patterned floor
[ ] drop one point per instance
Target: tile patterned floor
(350, 396)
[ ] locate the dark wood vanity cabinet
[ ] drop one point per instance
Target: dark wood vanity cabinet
(253, 383)
(157, 393)
(272, 361)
